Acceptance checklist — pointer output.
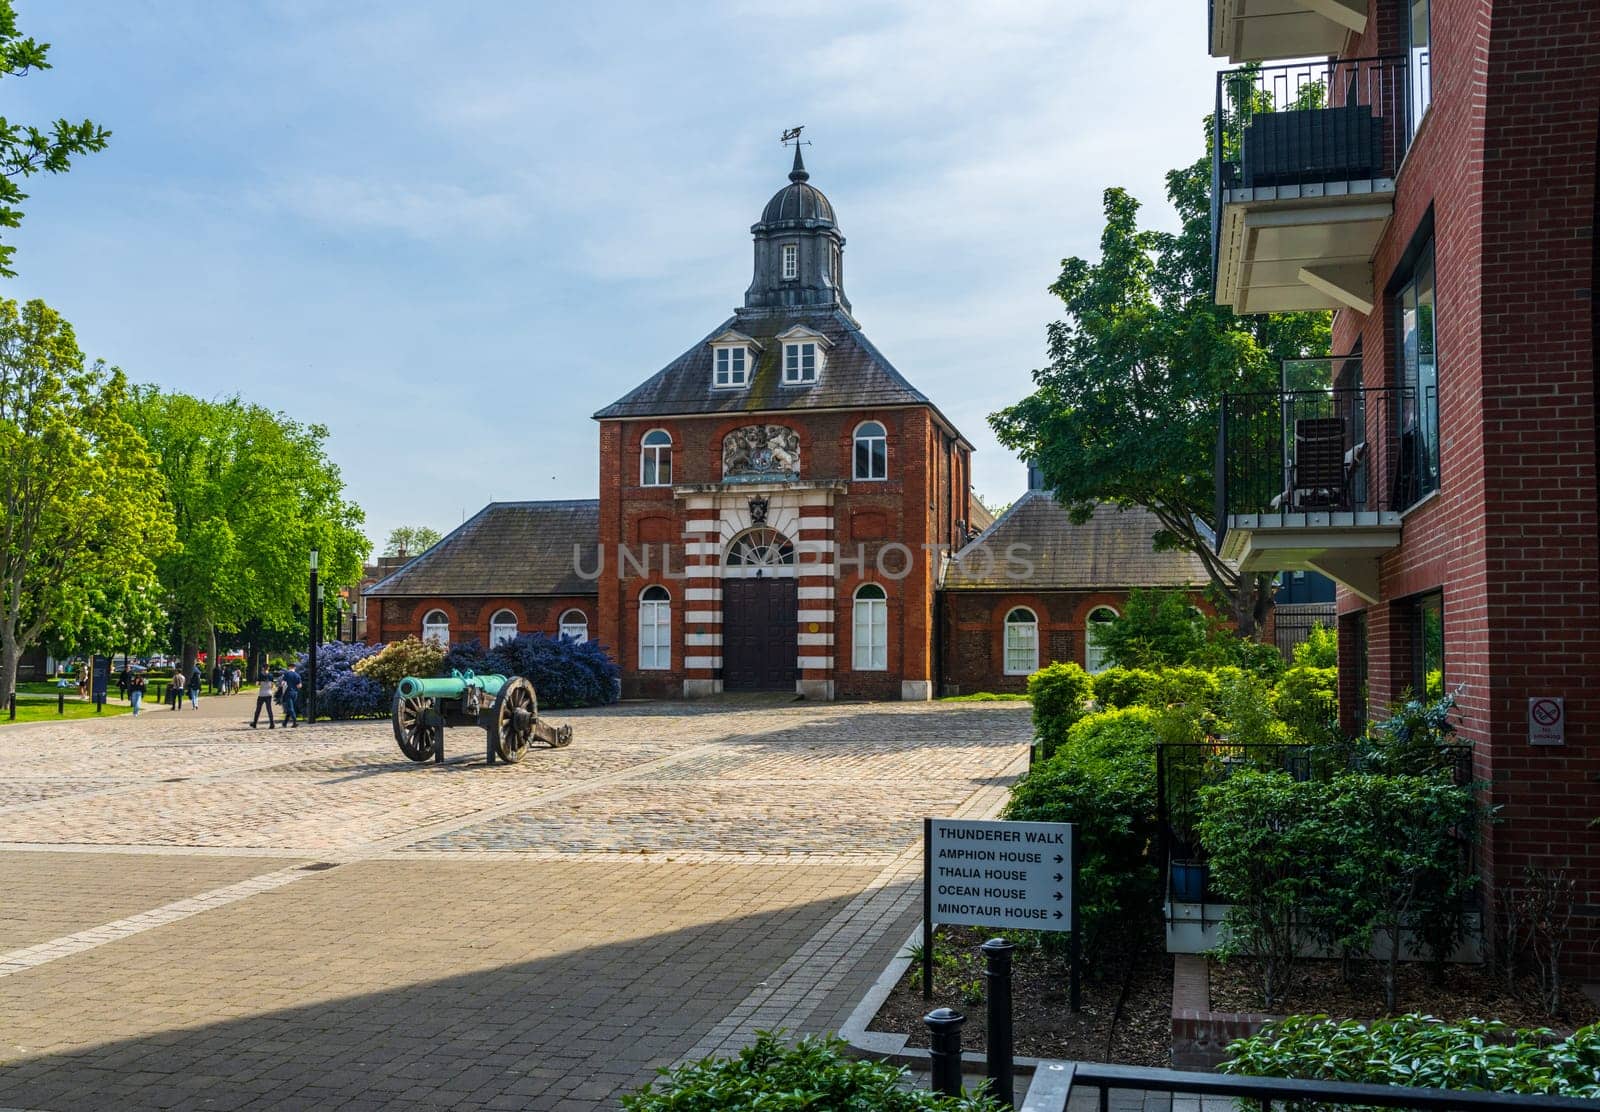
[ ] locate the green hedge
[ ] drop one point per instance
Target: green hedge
(1059, 693)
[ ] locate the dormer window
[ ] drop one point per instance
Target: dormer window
(801, 362)
(732, 366)
(791, 261)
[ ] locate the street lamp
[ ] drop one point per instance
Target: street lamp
(311, 657)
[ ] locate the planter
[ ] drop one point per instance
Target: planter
(1189, 881)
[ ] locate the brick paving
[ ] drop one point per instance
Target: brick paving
(538, 936)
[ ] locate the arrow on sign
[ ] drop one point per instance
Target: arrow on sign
(1058, 859)
(1058, 878)
(1058, 915)
(1058, 895)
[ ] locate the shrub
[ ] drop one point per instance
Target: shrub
(1416, 737)
(1125, 687)
(1059, 692)
(814, 1073)
(341, 692)
(1320, 649)
(1307, 699)
(1420, 1051)
(1157, 627)
(1103, 779)
(565, 672)
(399, 659)
(469, 656)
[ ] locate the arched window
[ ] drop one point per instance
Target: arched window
(760, 548)
(502, 628)
(871, 629)
(1094, 654)
(655, 459)
(872, 451)
(575, 624)
(436, 628)
(1022, 642)
(655, 628)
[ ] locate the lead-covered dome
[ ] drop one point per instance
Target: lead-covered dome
(799, 200)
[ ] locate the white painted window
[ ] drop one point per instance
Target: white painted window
(436, 628)
(575, 624)
(1094, 654)
(791, 261)
(836, 266)
(732, 367)
(872, 451)
(1022, 642)
(655, 459)
(655, 628)
(871, 629)
(502, 628)
(801, 362)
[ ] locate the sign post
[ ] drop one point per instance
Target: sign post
(999, 874)
(100, 681)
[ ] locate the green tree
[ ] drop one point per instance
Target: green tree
(1126, 411)
(83, 506)
(252, 492)
(410, 540)
(109, 614)
(24, 149)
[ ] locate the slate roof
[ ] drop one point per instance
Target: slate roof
(1110, 550)
(854, 374)
(507, 548)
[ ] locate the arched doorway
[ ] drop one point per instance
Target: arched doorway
(759, 631)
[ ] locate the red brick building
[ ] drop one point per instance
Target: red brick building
(1439, 194)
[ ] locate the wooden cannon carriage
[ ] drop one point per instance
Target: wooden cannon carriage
(507, 708)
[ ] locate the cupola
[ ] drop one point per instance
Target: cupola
(799, 253)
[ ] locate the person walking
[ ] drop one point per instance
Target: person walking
(264, 699)
(136, 690)
(193, 686)
(234, 680)
(122, 681)
(291, 697)
(175, 692)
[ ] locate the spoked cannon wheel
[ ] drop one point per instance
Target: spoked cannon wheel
(511, 724)
(416, 726)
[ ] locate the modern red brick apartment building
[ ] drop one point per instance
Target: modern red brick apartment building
(1432, 179)
(781, 510)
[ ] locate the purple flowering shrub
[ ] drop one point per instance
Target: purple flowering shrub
(342, 692)
(565, 672)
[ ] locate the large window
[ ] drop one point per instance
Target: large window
(872, 451)
(791, 261)
(502, 628)
(871, 629)
(655, 459)
(1094, 653)
(575, 624)
(1419, 371)
(1419, 73)
(1022, 642)
(800, 363)
(655, 628)
(733, 368)
(436, 628)
(1427, 647)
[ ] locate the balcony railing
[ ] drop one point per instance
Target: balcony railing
(1308, 124)
(1352, 450)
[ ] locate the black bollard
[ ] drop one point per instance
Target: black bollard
(944, 1049)
(13, 706)
(61, 701)
(997, 972)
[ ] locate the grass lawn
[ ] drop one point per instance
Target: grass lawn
(985, 697)
(40, 710)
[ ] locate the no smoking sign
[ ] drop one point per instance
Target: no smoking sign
(1547, 720)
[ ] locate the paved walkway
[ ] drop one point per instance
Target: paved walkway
(197, 915)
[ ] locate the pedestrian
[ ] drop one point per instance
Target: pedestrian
(175, 692)
(122, 681)
(193, 686)
(291, 697)
(216, 679)
(264, 699)
(234, 680)
(136, 690)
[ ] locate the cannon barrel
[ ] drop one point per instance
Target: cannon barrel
(452, 686)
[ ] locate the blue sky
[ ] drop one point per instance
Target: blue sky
(451, 232)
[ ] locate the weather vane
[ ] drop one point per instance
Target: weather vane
(792, 135)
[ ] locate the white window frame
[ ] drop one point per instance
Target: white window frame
(1093, 655)
(730, 367)
(857, 438)
(870, 629)
(577, 629)
(654, 454)
(791, 262)
(436, 630)
(1029, 644)
(794, 362)
(655, 629)
(497, 629)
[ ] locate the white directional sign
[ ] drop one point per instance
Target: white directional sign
(999, 874)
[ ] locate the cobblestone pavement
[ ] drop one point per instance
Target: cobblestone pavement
(197, 915)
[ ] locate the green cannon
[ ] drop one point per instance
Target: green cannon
(507, 707)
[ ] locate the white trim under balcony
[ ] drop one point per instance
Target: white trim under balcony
(1268, 30)
(1344, 545)
(1288, 248)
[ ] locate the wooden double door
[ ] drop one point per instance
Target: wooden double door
(759, 643)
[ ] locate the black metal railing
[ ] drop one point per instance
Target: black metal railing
(1267, 1093)
(1308, 123)
(1356, 449)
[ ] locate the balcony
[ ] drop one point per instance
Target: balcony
(1303, 164)
(1270, 30)
(1315, 478)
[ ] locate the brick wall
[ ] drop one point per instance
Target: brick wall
(390, 619)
